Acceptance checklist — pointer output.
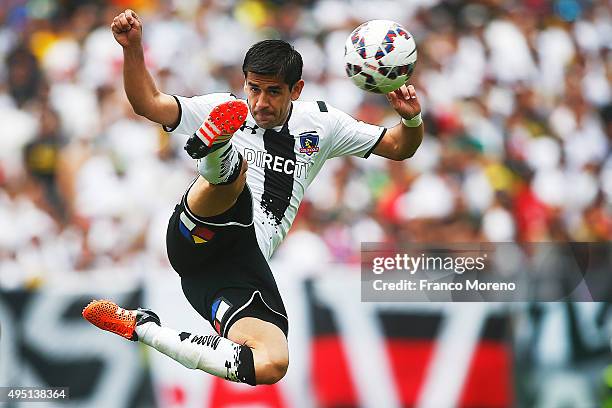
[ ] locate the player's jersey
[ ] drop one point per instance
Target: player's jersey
(284, 161)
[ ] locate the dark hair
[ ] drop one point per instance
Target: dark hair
(274, 57)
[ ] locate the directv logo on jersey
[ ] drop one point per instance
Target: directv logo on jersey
(280, 164)
(309, 142)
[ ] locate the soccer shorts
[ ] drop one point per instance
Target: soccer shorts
(223, 273)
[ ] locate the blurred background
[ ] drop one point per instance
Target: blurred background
(517, 104)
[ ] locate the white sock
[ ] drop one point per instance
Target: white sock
(211, 353)
(221, 166)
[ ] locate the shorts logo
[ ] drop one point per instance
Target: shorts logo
(194, 233)
(219, 309)
(309, 142)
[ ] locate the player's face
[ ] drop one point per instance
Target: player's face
(269, 98)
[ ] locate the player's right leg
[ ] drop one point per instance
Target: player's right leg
(221, 167)
(208, 200)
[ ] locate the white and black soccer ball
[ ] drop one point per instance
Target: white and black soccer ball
(380, 56)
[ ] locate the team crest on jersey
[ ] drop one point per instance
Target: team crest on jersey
(309, 142)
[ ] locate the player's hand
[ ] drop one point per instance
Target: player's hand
(405, 101)
(127, 29)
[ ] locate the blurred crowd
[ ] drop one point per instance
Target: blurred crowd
(516, 100)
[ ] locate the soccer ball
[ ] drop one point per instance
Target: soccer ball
(379, 56)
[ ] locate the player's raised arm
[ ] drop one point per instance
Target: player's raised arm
(145, 98)
(403, 140)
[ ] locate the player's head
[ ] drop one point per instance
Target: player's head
(272, 71)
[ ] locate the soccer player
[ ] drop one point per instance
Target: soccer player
(230, 220)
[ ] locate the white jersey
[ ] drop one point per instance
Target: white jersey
(284, 161)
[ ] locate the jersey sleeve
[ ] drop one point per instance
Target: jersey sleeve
(352, 137)
(194, 110)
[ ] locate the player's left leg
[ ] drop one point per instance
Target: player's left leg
(255, 351)
(268, 344)
(211, 353)
(225, 277)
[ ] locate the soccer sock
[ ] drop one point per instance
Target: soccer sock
(211, 353)
(221, 166)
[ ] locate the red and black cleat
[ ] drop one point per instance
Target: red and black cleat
(222, 122)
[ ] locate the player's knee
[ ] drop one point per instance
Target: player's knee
(271, 364)
(272, 370)
(279, 367)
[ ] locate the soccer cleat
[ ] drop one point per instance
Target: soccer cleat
(222, 122)
(106, 315)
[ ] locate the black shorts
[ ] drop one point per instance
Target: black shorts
(223, 273)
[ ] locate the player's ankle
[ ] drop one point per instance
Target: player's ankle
(143, 331)
(222, 170)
